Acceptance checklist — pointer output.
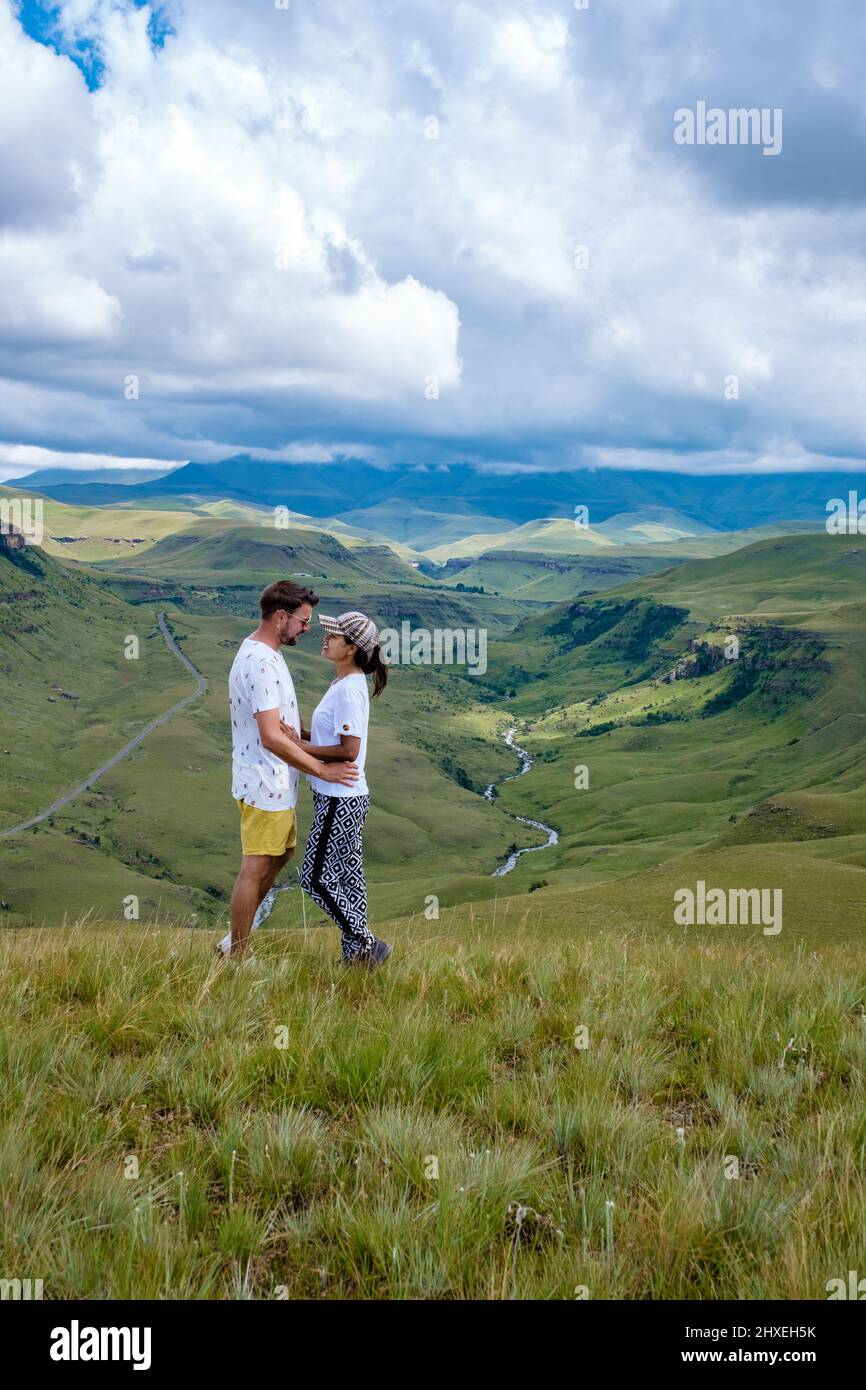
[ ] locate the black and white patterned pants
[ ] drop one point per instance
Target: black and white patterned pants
(333, 868)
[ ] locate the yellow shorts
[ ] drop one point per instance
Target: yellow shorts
(267, 832)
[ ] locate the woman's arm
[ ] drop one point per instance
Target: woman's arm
(291, 751)
(346, 751)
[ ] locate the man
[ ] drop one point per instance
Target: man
(266, 761)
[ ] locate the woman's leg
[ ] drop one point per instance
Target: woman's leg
(360, 939)
(333, 872)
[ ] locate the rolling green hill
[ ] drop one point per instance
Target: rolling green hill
(423, 528)
(225, 566)
(581, 1065)
(212, 551)
(551, 560)
(71, 699)
(127, 530)
(161, 824)
(66, 686)
(548, 578)
(538, 1103)
(90, 533)
(687, 751)
(779, 575)
(684, 749)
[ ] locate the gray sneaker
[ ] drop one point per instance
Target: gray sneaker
(378, 954)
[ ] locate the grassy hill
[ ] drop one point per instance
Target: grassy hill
(71, 698)
(90, 533)
(620, 538)
(548, 578)
(424, 528)
(211, 551)
(217, 567)
(552, 560)
(554, 1089)
(515, 1108)
(129, 529)
(66, 687)
(682, 748)
(781, 575)
(161, 824)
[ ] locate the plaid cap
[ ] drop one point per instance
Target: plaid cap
(355, 627)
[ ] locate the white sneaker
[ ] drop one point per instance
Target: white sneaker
(265, 908)
(246, 959)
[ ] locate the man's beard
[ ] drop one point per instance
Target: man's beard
(288, 641)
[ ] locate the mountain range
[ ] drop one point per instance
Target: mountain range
(400, 501)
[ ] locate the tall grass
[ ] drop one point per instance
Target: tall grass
(176, 1127)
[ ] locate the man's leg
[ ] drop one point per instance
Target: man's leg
(277, 862)
(257, 870)
(274, 863)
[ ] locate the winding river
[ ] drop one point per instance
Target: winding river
(526, 762)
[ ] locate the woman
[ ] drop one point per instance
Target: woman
(333, 868)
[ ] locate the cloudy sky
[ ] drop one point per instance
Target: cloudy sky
(409, 229)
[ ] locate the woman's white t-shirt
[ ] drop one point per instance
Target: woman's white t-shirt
(343, 709)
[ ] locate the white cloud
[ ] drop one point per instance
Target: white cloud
(42, 304)
(252, 221)
(779, 456)
(213, 252)
(17, 460)
(47, 165)
(532, 49)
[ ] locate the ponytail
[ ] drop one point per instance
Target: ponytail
(372, 665)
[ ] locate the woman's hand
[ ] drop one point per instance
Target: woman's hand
(290, 732)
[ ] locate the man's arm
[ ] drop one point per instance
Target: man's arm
(291, 752)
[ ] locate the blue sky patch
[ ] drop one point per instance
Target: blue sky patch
(40, 19)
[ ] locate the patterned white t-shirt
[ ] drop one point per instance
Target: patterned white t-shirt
(260, 680)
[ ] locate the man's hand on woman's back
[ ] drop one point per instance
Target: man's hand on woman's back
(347, 773)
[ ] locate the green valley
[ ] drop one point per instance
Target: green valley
(655, 746)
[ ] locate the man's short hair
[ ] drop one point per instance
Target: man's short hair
(284, 594)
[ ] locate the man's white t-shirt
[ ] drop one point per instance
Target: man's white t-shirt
(343, 709)
(260, 680)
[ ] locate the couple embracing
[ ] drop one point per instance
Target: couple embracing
(271, 748)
